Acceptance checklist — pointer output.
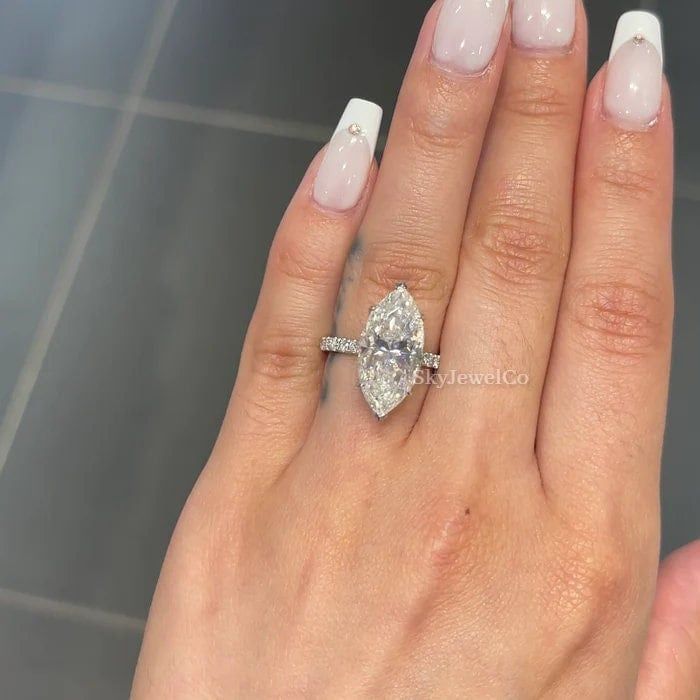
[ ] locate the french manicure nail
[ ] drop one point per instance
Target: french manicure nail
(467, 34)
(544, 24)
(342, 176)
(634, 78)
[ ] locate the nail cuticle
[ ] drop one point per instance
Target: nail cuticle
(623, 125)
(539, 52)
(456, 74)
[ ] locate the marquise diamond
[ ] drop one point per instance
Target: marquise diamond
(391, 351)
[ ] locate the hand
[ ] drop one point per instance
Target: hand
(483, 541)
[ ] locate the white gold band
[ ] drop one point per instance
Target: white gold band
(347, 346)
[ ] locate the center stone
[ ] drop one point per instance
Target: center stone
(391, 351)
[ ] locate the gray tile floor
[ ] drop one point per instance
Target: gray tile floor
(136, 141)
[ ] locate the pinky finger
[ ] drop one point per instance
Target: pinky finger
(671, 666)
(281, 368)
(602, 417)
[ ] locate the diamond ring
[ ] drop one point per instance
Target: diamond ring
(390, 351)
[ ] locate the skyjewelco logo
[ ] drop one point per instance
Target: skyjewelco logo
(498, 377)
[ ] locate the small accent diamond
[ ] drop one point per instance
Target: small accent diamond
(431, 360)
(342, 345)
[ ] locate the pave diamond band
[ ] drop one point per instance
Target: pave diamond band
(347, 346)
(389, 352)
(344, 346)
(431, 361)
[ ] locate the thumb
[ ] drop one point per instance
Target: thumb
(670, 668)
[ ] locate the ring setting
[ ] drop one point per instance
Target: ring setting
(390, 352)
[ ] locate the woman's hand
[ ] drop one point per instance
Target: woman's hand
(485, 540)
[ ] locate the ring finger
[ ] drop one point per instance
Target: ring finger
(413, 228)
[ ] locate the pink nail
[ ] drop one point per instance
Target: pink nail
(634, 79)
(467, 34)
(342, 176)
(544, 24)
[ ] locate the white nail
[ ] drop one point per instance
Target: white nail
(634, 76)
(367, 115)
(342, 176)
(544, 24)
(467, 34)
(638, 23)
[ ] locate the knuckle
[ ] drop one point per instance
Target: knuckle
(432, 134)
(445, 530)
(518, 241)
(294, 259)
(538, 100)
(407, 262)
(592, 578)
(434, 116)
(284, 354)
(620, 317)
(277, 366)
(620, 180)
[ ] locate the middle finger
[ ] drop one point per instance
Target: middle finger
(504, 307)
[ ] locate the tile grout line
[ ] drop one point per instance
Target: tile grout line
(166, 109)
(82, 233)
(70, 611)
(61, 92)
(239, 121)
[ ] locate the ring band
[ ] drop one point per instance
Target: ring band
(347, 346)
(390, 351)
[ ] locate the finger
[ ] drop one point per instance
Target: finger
(671, 664)
(604, 404)
(413, 227)
(504, 306)
(279, 378)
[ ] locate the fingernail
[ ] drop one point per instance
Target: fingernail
(467, 34)
(634, 78)
(544, 24)
(342, 176)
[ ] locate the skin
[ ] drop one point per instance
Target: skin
(483, 541)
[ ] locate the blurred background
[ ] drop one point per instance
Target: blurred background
(147, 151)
